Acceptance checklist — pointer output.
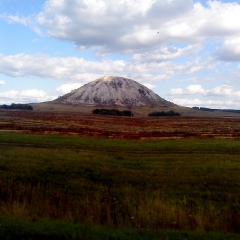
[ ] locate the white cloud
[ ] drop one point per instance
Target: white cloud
(68, 87)
(222, 96)
(230, 50)
(2, 82)
(176, 91)
(16, 19)
(141, 27)
(149, 85)
(82, 71)
(151, 30)
(224, 90)
(24, 96)
(196, 89)
(219, 91)
(25, 21)
(190, 90)
(167, 53)
(219, 104)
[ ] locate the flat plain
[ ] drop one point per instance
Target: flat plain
(99, 126)
(82, 176)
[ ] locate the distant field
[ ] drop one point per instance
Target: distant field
(167, 189)
(115, 127)
(141, 111)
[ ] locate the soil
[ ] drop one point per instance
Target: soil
(100, 126)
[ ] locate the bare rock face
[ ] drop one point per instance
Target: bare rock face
(113, 91)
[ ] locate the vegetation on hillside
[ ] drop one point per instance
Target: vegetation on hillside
(114, 112)
(17, 106)
(159, 114)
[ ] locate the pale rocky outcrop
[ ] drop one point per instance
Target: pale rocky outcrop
(111, 91)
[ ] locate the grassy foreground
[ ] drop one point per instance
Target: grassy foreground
(58, 185)
(13, 228)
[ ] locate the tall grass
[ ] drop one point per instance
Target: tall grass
(60, 178)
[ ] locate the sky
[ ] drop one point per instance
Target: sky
(186, 51)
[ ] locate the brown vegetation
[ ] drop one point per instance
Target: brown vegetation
(75, 123)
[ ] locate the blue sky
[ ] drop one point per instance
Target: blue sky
(186, 51)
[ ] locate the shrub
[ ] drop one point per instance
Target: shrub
(169, 113)
(17, 106)
(114, 112)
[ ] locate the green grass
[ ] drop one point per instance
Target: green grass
(211, 145)
(142, 186)
(15, 228)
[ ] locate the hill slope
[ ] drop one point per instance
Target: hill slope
(119, 93)
(113, 91)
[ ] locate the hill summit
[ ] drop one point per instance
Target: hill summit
(113, 91)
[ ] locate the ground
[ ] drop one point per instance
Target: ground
(87, 124)
(77, 175)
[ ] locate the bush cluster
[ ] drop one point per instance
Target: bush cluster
(218, 110)
(17, 106)
(114, 112)
(169, 113)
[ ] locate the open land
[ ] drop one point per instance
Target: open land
(82, 124)
(82, 176)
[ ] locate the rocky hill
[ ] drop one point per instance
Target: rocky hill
(122, 94)
(113, 91)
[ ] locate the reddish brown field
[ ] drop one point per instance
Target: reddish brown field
(72, 123)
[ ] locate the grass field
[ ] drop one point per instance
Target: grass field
(168, 189)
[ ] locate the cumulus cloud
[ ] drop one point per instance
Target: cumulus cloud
(219, 91)
(195, 89)
(149, 85)
(2, 82)
(68, 87)
(190, 90)
(166, 9)
(143, 26)
(44, 66)
(219, 104)
(230, 50)
(222, 96)
(148, 29)
(24, 96)
(82, 71)
(91, 23)
(167, 53)
(224, 90)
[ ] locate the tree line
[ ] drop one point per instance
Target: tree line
(17, 106)
(160, 114)
(216, 110)
(113, 112)
(128, 113)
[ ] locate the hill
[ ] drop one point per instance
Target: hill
(121, 94)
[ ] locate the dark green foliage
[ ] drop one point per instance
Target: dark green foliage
(114, 112)
(17, 229)
(228, 110)
(17, 106)
(169, 113)
(96, 111)
(216, 110)
(207, 109)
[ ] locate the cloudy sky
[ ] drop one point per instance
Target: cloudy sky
(186, 51)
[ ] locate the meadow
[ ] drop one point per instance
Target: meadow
(72, 187)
